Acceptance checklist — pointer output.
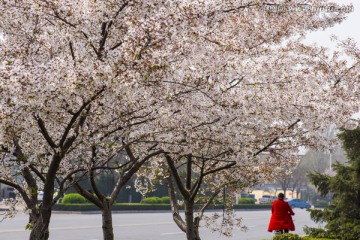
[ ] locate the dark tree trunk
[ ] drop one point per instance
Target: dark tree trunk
(107, 225)
(192, 230)
(40, 224)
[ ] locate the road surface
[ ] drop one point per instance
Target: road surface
(142, 226)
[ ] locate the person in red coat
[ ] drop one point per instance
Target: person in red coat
(281, 220)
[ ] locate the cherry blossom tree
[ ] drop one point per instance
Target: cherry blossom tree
(126, 166)
(199, 181)
(73, 79)
(180, 77)
(268, 92)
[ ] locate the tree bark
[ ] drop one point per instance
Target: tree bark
(40, 224)
(174, 205)
(107, 225)
(192, 227)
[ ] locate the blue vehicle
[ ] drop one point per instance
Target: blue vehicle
(295, 202)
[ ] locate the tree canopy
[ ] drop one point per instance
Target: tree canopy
(82, 81)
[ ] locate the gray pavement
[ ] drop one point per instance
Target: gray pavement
(142, 226)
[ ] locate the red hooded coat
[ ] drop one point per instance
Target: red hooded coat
(281, 216)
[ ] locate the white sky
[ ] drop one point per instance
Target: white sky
(348, 28)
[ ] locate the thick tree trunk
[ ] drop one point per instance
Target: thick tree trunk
(40, 224)
(107, 225)
(192, 226)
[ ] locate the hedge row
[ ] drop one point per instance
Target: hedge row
(291, 236)
(140, 207)
(246, 201)
(74, 198)
(156, 200)
(116, 207)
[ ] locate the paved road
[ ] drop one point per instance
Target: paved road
(142, 226)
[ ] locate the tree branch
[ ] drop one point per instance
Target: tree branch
(72, 51)
(176, 176)
(133, 169)
(220, 168)
(188, 172)
(174, 206)
(37, 172)
(275, 139)
(76, 116)
(44, 132)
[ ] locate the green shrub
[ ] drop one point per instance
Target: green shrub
(151, 200)
(165, 200)
(246, 201)
(287, 236)
(73, 198)
(311, 238)
(75, 207)
(319, 233)
(217, 201)
(204, 199)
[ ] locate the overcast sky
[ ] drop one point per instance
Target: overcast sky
(348, 28)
